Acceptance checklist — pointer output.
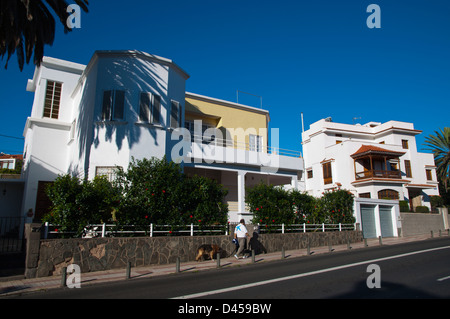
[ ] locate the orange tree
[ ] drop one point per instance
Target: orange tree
(273, 205)
(270, 205)
(76, 203)
(157, 191)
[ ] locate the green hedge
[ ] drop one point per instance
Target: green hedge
(273, 205)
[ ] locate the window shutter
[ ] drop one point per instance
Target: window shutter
(156, 109)
(144, 113)
(175, 115)
(106, 108)
(119, 102)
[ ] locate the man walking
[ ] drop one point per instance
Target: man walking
(241, 234)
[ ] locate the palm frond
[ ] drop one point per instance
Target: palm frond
(439, 145)
(27, 26)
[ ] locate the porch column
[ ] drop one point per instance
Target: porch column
(241, 191)
(377, 220)
(294, 182)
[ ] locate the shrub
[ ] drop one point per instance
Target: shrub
(337, 207)
(404, 206)
(76, 203)
(270, 205)
(274, 205)
(150, 191)
(156, 191)
(436, 201)
(422, 209)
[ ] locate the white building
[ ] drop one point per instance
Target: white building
(88, 119)
(377, 162)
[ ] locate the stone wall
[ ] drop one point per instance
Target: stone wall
(417, 224)
(99, 254)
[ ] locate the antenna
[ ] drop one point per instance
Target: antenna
(237, 97)
(303, 125)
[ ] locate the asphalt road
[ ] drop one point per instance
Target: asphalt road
(405, 271)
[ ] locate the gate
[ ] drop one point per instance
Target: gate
(11, 234)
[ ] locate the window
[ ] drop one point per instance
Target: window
(408, 168)
(108, 171)
(52, 99)
(175, 115)
(190, 126)
(405, 144)
(113, 105)
(7, 164)
(388, 194)
(150, 108)
(429, 175)
(364, 195)
(255, 143)
(309, 174)
(327, 175)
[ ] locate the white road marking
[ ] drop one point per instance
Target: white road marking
(271, 281)
(445, 278)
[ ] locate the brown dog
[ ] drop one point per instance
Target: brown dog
(207, 251)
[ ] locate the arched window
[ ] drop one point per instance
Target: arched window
(388, 194)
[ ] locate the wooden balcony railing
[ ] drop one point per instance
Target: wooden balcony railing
(378, 174)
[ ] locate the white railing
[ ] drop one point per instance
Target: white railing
(108, 230)
(296, 228)
(151, 230)
(199, 139)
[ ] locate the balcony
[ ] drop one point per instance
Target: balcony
(378, 174)
(212, 150)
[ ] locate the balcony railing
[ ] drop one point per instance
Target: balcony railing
(244, 146)
(378, 174)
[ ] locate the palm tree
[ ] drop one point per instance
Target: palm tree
(29, 25)
(440, 146)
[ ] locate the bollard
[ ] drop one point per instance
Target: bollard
(64, 277)
(440, 233)
(283, 253)
(380, 240)
(253, 256)
(432, 235)
(365, 243)
(177, 265)
(128, 274)
(218, 260)
(308, 249)
(348, 244)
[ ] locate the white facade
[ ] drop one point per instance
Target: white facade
(88, 119)
(375, 161)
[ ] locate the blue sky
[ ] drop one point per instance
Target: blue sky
(317, 57)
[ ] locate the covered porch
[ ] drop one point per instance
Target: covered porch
(237, 180)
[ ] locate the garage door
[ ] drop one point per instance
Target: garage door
(368, 221)
(386, 221)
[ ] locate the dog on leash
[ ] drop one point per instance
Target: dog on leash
(208, 252)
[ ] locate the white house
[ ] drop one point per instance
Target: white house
(88, 119)
(11, 185)
(377, 162)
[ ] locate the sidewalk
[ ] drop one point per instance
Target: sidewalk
(20, 286)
